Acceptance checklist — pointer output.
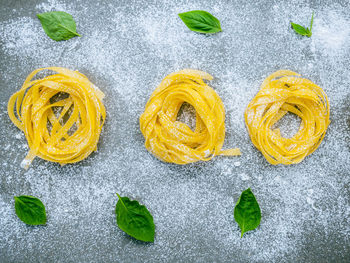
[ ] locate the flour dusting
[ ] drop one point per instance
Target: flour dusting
(126, 49)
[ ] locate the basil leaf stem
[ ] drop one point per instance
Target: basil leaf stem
(312, 21)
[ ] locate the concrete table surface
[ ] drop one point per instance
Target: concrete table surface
(126, 49)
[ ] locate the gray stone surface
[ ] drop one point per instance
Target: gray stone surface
(126, 48)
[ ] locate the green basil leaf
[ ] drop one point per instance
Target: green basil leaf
(201, 21)
(302, 30)
(134, 219)
(247, 212)
(58, 25)
(299, 29)
(30, 210)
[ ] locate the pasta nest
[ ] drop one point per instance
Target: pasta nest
(173, 141)
(61, 115)
(282, 92)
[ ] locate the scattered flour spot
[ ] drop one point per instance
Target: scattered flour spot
(51, 5)
(312, 203)
(244, 177)
(227, 170)
(238, 163)
(206, 152)
(278, 178)
(331, 32)
(310, 191)
(25, 34)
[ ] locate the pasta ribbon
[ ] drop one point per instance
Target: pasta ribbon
(282, 92)
(173, 141)
(61, 116)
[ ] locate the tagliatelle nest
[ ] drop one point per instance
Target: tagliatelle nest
(173, 141)
(63, 131)
(282, 92)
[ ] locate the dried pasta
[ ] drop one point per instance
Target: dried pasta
(65, 130)
(282, 92)
(173, 141)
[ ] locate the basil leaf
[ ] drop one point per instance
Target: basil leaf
(302, 30)
(299, 29)
(30, 210)
(134, 219)
(247, 212)
(201, 21)
(58, 25)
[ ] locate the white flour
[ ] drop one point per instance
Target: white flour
(126, 49)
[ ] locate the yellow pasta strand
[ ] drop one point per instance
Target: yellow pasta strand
(173, 141)
(33, 109)
(282, 92)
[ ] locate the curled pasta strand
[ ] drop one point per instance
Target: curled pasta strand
(173, 141)
(282, 92)
(65, 136)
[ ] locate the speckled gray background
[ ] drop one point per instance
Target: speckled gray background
(126, 48)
